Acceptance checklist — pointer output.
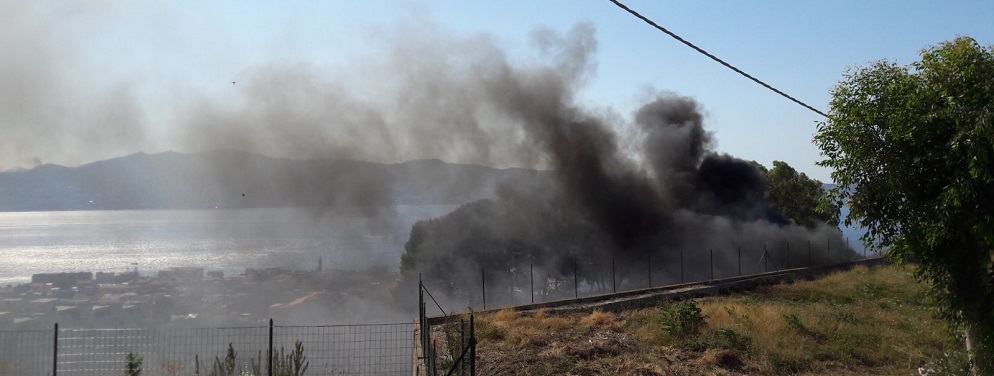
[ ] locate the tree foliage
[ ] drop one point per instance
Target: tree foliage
(798, 197)
(506, 238)
(912, 148)
(132, 364)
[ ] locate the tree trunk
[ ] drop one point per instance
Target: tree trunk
(979, 344)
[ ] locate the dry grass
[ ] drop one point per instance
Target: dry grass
(863, 321)
(600, 320)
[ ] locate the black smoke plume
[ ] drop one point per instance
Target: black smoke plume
(651, 189)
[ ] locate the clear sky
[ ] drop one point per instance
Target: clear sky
(140, 62)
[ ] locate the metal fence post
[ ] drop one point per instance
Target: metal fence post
(576, 288)
(55, 350)
(421, 327)
(531, 273)
(614, 277)
(269, 365)
(426, 350)
(434, 359)
(483, 277)
(462, 344)
(472, 345)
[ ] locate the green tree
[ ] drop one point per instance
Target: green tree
(798, 197)
(132, 364)
(912, 148)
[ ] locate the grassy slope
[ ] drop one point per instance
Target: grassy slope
(863, 321)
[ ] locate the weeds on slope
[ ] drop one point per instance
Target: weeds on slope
(862, 321)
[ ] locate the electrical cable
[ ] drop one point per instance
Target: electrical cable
(715, 58)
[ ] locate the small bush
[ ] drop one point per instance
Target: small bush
(293, 364)
(682, 319)
(733, 340)
(132, 365)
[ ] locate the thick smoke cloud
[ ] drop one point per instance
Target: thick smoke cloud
(666, 195)
(636, 196)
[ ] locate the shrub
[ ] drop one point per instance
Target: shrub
(733, 340)
(293, 364)
(682, 319)
(133, 364)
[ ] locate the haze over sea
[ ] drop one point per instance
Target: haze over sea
(227, 240)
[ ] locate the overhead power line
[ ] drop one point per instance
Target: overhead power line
(715, 58)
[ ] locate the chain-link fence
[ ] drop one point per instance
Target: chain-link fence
(484, 288)
(26, 352)
(373, 349)
(384, 349)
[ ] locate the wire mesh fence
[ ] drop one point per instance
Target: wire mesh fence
(28, 352)
(560, 279)
(371, 349)
(172, 351)
(385, 349)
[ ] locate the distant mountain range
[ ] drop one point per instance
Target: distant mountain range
(234, 179)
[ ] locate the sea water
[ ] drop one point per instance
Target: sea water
(226, 240)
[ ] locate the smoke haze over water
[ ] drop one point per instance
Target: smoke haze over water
(652, 184)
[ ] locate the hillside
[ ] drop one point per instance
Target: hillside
(233, 179)
(863, 321)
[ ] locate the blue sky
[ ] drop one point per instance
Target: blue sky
(157, 55)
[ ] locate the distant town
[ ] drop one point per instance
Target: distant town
(191, 296)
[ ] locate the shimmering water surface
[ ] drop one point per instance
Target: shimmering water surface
(228, 240)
